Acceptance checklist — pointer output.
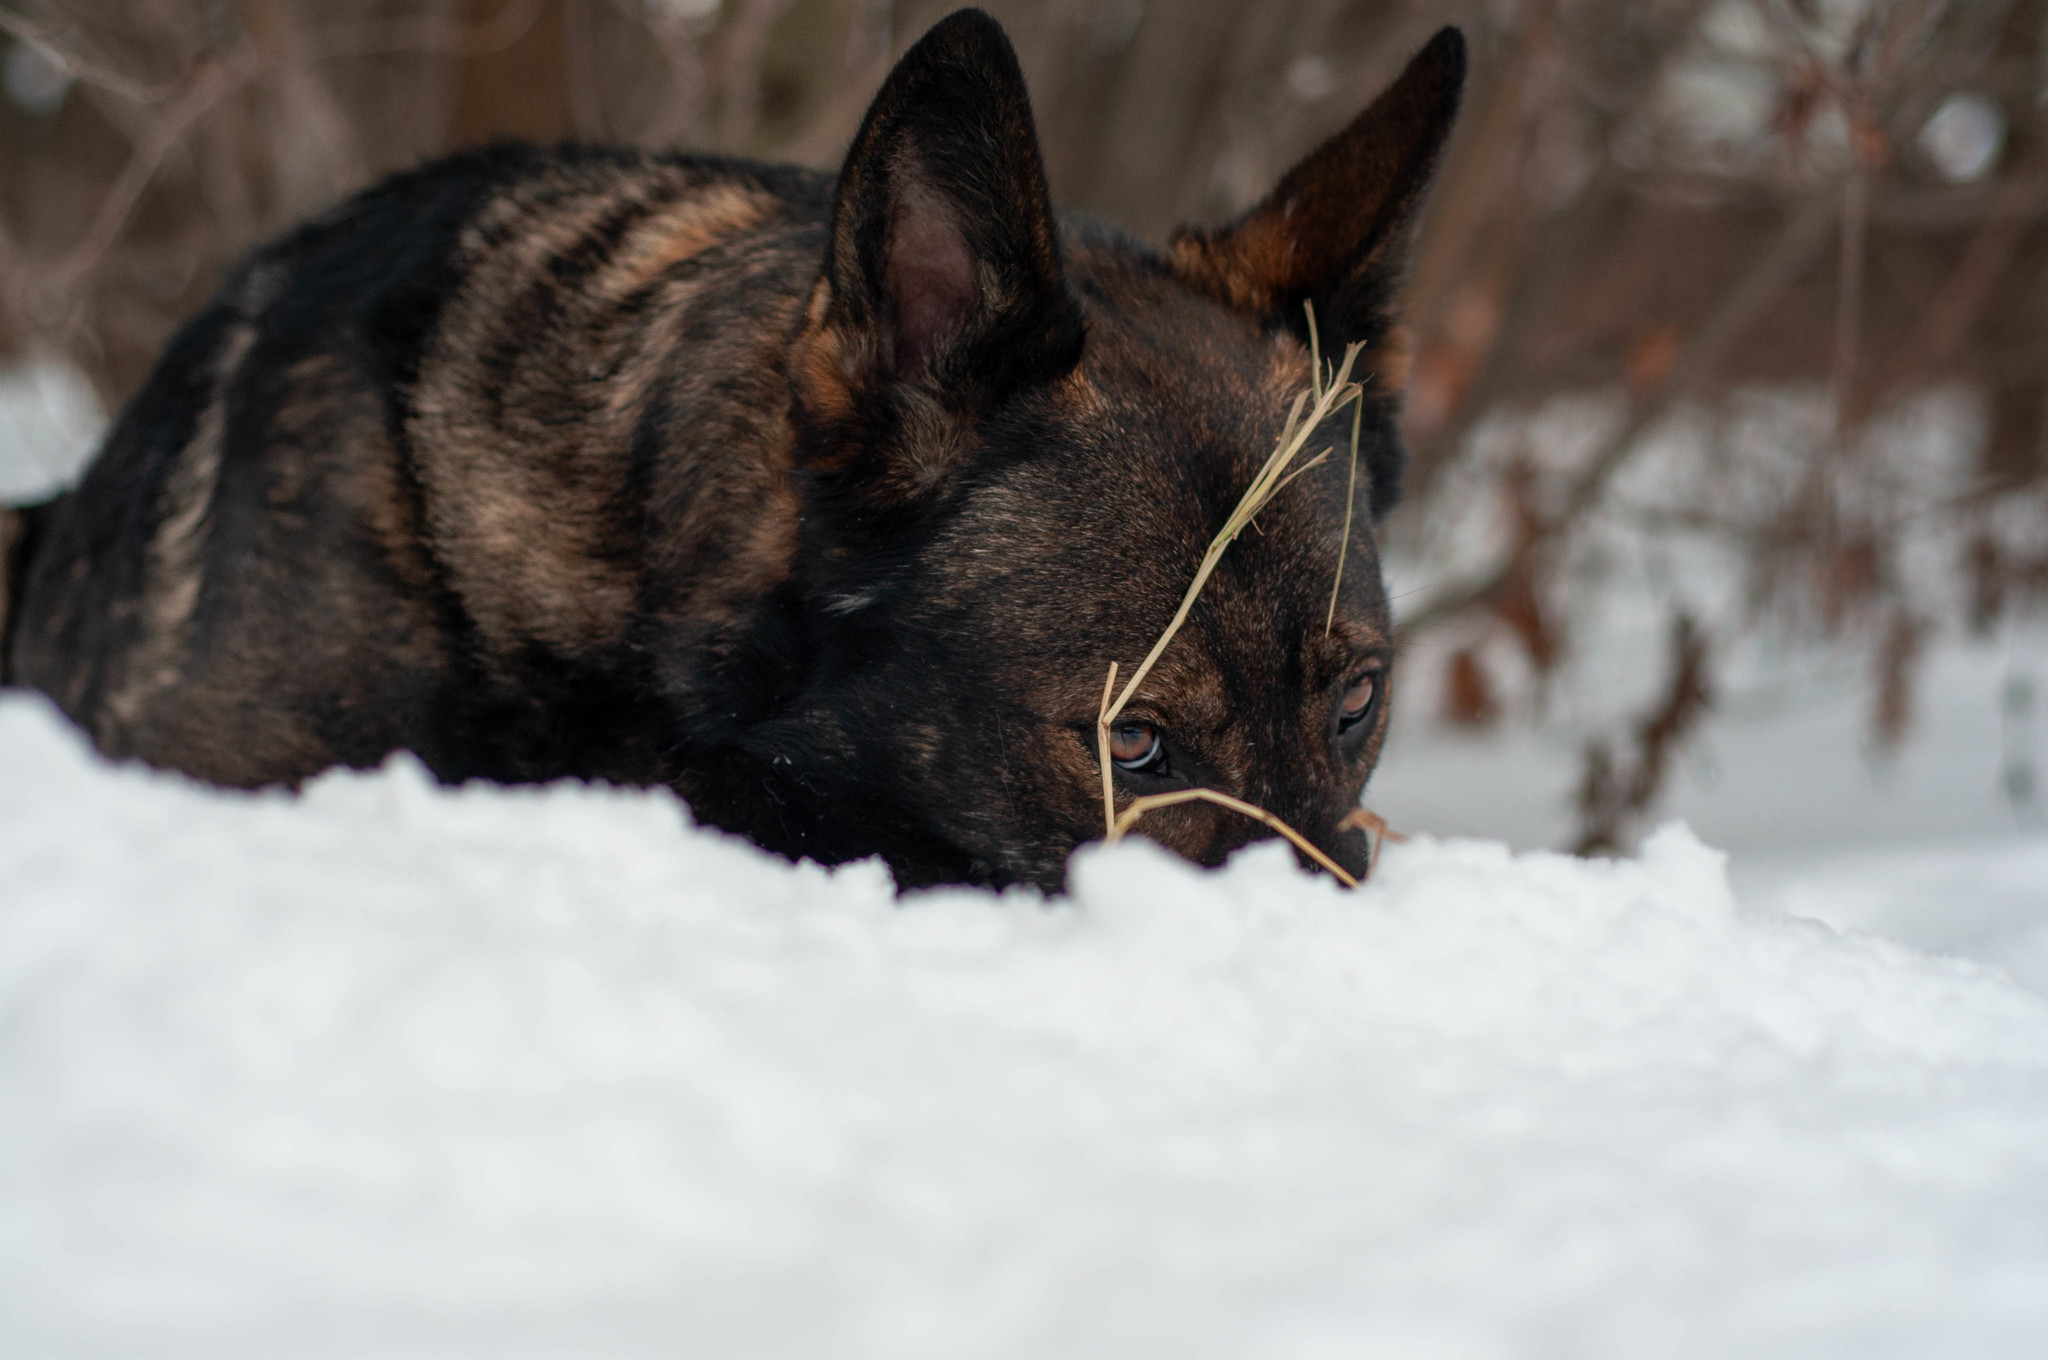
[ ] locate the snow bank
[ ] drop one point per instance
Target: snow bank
(391, 1071)
(1984, 899)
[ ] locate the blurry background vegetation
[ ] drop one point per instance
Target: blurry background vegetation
(1729, 314)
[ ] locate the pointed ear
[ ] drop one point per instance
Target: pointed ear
(942, 280)
(1334, 232)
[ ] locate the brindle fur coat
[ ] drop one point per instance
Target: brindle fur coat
(824, 501)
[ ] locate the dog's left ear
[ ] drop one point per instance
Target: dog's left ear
(943, 288)
(1334, 232)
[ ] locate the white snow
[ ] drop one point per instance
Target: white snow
(387, 1070)
(50, 425)
(1983, 899)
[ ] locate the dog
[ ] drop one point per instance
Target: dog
(824, 501)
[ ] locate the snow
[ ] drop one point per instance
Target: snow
(1977, 899)
(387, 1069)
(392, 1070)
(50, 424)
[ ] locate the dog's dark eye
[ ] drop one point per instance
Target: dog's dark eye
(1136, 747)
(1357, 703)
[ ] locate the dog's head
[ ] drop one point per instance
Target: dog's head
(1017, 438)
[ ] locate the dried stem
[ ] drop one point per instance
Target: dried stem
(219, 80)
(1366, 820)
(1774, 271)
(1102, 751)
(1350, 503)
(1849, 292)
(77, 65)
(1153, 801)
(2014, 212)
(447, 37)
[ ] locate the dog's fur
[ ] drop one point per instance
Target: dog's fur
(825, 502)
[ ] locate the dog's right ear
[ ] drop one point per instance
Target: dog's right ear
(942, 288)
(1334, 231)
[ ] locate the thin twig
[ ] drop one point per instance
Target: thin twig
(219, 80)
(1774, 271)
(2017, 204)
(1378, 834)
(1350, 501)
(1849, 291)
(1152, 801)
(441, 36)
(1102, 750)
(81, 68)
(1310, 466)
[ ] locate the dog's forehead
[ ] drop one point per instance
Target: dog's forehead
(1190, 398)
(1150, 335)
(1132, 463)
(1178, 399)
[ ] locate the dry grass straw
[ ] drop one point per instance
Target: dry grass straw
(1311, 408)
(1350, 504)
(1140, 806)
(1375, 826)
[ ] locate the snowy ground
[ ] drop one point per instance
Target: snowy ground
(394, 1071)
(391, 1071)
(1924, 845)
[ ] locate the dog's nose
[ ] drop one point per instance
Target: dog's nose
(1352, 849)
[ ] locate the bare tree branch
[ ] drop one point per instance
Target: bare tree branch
(1790, 255)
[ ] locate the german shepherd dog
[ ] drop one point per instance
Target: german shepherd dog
(825, 502)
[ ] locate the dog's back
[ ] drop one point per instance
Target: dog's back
(373, 497)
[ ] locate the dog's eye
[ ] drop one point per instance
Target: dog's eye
(1357, 703)
(1136, 747)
